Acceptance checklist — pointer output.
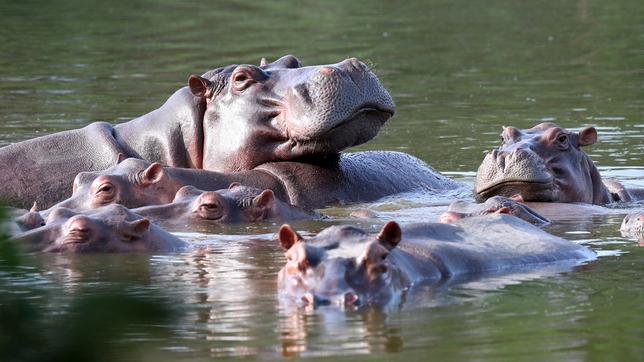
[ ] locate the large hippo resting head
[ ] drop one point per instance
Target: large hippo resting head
(285, 111)
(111, 228)
(543, 163)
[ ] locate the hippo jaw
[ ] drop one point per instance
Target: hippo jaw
(284, 112)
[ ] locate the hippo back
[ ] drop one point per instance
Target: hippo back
(492, 243)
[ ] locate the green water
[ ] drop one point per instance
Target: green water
(458, 71)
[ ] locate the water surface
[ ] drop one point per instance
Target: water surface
(457, 70)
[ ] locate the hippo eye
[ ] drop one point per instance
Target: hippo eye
(106, 188)
(242, 78)
(562, 138)
(209, 207)
(210, 211)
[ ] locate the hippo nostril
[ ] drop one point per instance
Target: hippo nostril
(302, 91)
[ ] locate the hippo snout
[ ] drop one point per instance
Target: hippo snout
(510, 169)
(78, 229)
(345, 97)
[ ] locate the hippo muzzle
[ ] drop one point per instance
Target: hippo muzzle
(519, 171)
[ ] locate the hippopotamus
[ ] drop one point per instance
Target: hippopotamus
(135, 183)
(232, 119)
(111, 228)
(514, 206)
(237, 203)
(633, 226)
(546, 164)
(344, 265)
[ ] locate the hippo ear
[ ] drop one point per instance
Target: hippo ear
(587, 136)
(233, 185)
(133, 230)
(265, 199)
(120, 157)
(288, 236)
(263, 62)
(34, 207)
(153, 174)
(200, 87)
(390, 235)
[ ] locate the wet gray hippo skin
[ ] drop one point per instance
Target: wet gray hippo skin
(236, 204)
(111, 228)
(546, 164)
(460, 209)
(355, 177)
(633, 225)
(344, 265)
(230, 119)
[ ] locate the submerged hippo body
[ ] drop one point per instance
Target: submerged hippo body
(460, 209)
(344, 265)
(111, 228)
(546, 164)
(633, 226)
(236, 204)
(231, 119)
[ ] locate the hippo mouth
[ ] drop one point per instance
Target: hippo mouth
(529, 190)
(360, 127)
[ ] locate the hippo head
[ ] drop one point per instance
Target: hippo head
(236, 204)
(543, 163)
(494, 205)
(633, 226)
(132, 183)
(342, 265)
(283, 111)
(112, 228)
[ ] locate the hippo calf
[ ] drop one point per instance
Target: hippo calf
(358, 176)
(546, 164)
(633, 225)
(236, 204)
(460, 209)
(346, 266)
(111, 228)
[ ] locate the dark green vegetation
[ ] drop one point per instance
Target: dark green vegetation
(458, 70)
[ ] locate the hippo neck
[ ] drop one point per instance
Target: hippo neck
(601, 194)
(171, 135)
